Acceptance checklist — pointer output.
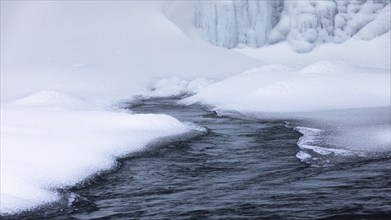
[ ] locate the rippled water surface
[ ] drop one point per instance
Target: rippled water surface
(240, 169)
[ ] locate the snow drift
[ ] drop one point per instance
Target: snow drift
(320, 86)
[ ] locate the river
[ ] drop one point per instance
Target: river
(240, 169)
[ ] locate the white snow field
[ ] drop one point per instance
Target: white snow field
(66, 64)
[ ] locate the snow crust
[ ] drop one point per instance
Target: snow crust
(303, 24)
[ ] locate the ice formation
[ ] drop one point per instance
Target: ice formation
(227, 23)
(304, 24)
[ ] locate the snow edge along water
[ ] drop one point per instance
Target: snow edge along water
(72, 145)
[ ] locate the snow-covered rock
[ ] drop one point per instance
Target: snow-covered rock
(304, 24)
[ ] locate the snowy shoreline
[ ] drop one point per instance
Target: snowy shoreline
(65, 63)
(330, 136)
(47, 147)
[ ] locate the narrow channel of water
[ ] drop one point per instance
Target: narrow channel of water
(239, 169)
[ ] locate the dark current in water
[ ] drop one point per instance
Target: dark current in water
(240, 169)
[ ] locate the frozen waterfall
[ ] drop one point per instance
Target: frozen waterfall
(304, 24)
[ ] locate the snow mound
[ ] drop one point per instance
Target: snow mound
(43, 150)
(320, 86)
(328, 67)
(52, 99)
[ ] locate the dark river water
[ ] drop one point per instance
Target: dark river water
(240, 169)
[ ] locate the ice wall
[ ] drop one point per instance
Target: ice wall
(304, 24)
(228, 23)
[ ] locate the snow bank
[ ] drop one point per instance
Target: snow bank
(50, 147)
(373, 53)
(341, 110)
(320, 86)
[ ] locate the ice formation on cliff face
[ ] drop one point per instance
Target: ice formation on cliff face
(228, 23)
(304, 24)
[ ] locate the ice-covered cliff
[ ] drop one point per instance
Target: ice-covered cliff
(304, 24)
